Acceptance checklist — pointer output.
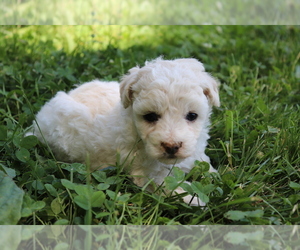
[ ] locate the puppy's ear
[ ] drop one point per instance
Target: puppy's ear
(210, 87)
(126, 91)
(209, 84)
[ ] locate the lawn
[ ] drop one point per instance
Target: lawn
(255, 134)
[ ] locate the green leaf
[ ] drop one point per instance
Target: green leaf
(82, 201)
(75, 168)
(201, 166)
(199, 190)
(235, 237)
(23, 154)
(220, 190)
(38, 185)
(9, 171)
(208, 188)
(171, 183)
(112, 180)
(97, 199)
(68, 184)
(229, 179)
(99, 176)
(62, 246)
(38, 205)
(294, 185)
(62, 222)
(29, 142)
(56, 206)
(111, 194)
(235, 215)
(239, 215)
(138, 198)
(294, 198)
(203, 197)
(51, 190)
(162, 221)
(83, 190)
(11, 198)
(255, 214)
(86, 198)
(238, 238)
(187, 187)
(103, 186)
(29, 205)
(17, 140)
(178, 174)
(102, 214)
(102, 237)
(26, 211)
(123, 198)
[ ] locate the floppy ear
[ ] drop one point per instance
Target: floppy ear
(209, 84)
(210, 87)
(127, 81)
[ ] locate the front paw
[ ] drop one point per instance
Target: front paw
(193, 201)
(189, 199)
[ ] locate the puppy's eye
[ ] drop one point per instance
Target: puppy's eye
(151, 117)
(191, 116)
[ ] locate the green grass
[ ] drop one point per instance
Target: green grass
(254, 141)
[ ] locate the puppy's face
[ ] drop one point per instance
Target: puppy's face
(170, 106)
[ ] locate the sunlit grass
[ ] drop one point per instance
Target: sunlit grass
(254, 136)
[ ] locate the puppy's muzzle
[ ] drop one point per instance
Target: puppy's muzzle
(171, 149)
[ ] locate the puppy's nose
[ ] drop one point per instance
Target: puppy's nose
(171, 148)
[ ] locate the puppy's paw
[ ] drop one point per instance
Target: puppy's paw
(189, 199)
(193, 201)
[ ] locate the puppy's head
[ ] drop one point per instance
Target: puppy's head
(171, 103)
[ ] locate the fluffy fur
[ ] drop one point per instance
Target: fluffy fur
(98, 119)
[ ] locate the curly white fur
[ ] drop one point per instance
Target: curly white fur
(98, 120)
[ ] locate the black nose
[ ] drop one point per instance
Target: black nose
(170, 148)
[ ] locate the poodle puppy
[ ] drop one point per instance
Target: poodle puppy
(157, 117)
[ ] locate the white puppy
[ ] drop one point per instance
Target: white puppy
(156, 118)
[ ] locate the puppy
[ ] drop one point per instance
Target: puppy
(157, 117)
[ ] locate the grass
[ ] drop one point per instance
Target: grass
(254, 141)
